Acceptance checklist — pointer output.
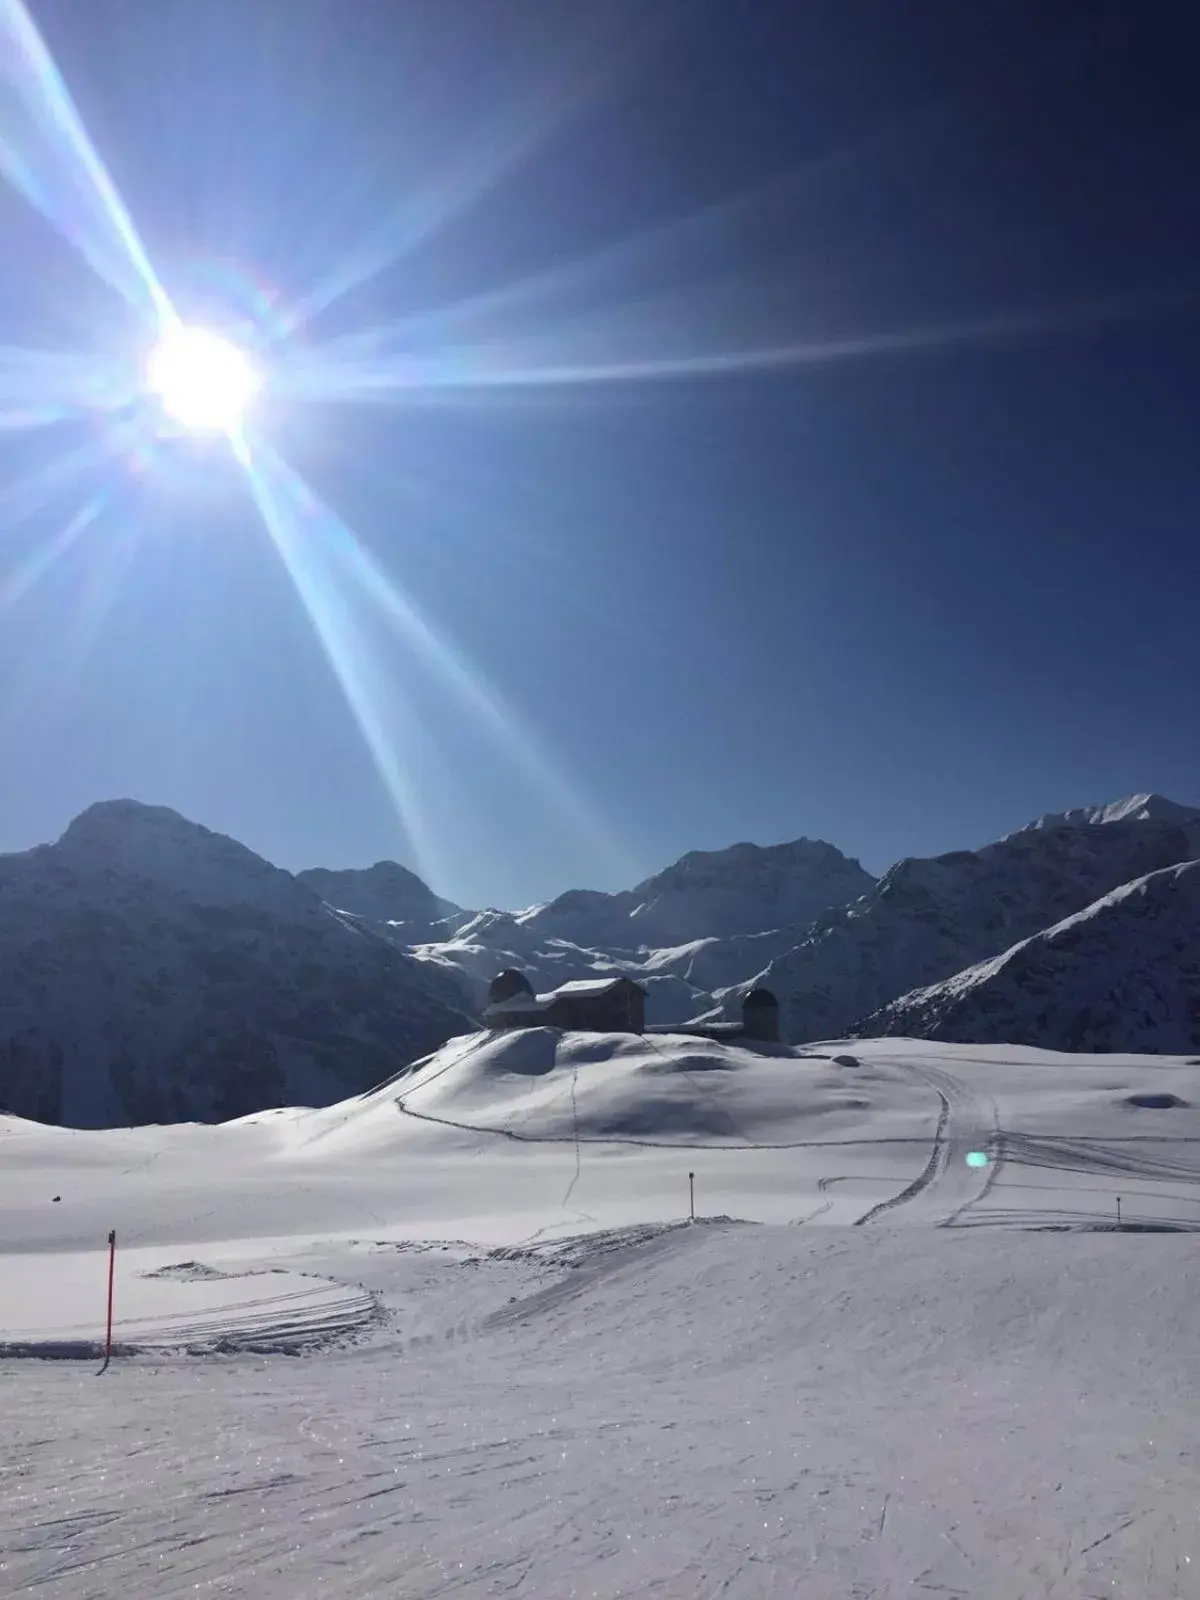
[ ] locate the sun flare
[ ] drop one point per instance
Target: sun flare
(203, 381)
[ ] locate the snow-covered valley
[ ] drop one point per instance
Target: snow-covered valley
(457, 1336)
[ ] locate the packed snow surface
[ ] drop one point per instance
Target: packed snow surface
(458, 1337)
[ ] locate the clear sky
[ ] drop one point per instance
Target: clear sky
(682, 424)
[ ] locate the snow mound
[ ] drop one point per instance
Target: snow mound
(541, 1084)
(189, 1272)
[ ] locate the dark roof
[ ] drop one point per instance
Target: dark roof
(508, 983)
(759, 1000)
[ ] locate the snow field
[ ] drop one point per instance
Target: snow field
(520, 1372)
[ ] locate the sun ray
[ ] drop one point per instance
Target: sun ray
(27, 574)
(47, 155)
(27, 495)
(53, 682)
(328, 564)
(492, 713)
(586, 67)
(571, 357)
(670, 246)
(299, 529)
(44, 386)
(645, 251)
(458, 186)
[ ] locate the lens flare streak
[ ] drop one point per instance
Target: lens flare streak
(301, 530)
(37, 489)
(41, 386)
(329, 566)
(46, 154)
(605, 352)
(16, 584)
(536, 111)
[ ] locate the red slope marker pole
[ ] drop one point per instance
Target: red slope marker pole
(112, 1263)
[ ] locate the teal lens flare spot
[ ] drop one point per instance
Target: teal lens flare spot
(976, 1158)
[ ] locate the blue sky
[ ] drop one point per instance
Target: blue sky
(794, 435)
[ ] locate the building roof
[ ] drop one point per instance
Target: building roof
(582, 988)
(512, 980)
(525, 1002)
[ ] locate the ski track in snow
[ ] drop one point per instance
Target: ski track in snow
(967, 1122)
(952, 1400)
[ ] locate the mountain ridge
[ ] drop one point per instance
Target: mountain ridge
(1123, 973)
(929, 918)
(155, 970)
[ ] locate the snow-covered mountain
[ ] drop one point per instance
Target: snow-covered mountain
(800, 917)
(153, 971)
(709, 920)
(747, 888)
(1134, 808)
(1123, 974)
(494, 941)
(928, 919)
(387, 894)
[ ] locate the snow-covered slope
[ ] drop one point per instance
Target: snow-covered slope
(1124, 974)
(154, 971)
(928, 919)
(526, 1374)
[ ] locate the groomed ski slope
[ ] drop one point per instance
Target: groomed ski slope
(457, 1337)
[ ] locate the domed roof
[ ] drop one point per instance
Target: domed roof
(759, 1000)
(508, 983)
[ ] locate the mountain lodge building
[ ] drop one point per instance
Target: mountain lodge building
(614, 1005)
(589, 1005)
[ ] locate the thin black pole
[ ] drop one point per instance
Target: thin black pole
(112, 1262)
(692, 1196)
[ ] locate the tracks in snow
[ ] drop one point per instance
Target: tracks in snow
(967, 1121)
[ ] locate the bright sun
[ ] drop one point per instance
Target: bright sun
(204, 382)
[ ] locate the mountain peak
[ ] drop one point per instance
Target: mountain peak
(102, 816)
(1148, 807)
(157, 971)
(155, 843)
(386, 892)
